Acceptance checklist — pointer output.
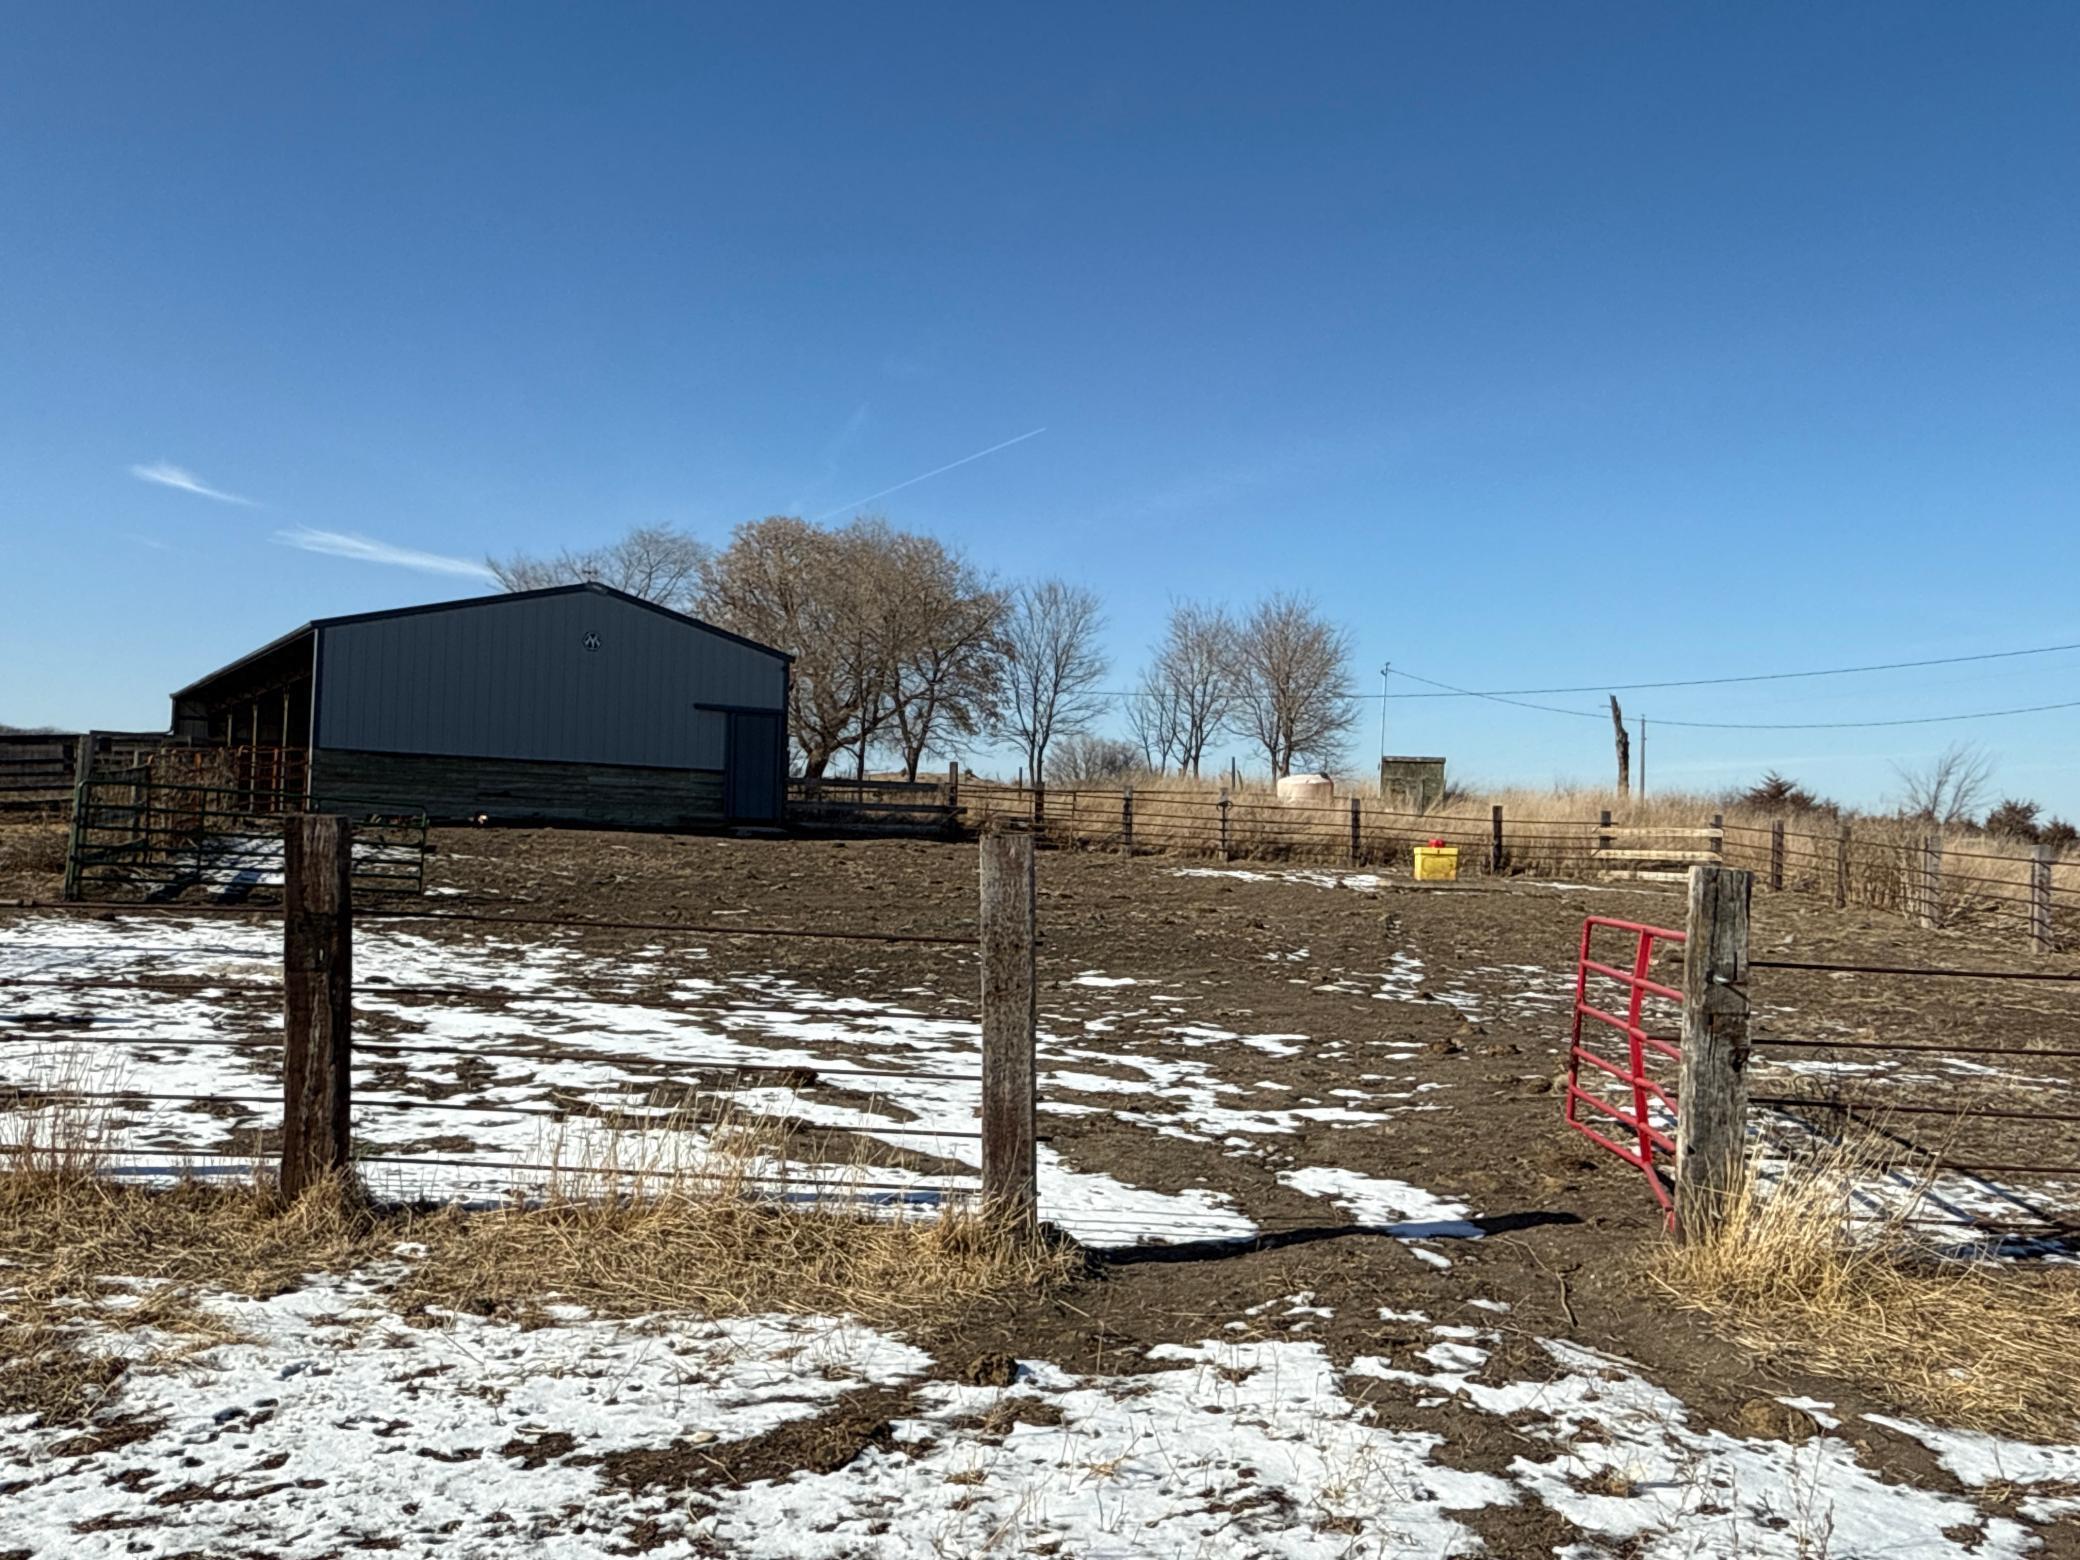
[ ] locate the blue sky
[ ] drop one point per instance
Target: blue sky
(1542, 344)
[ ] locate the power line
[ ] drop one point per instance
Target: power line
(1712, 682)
(1737, 725)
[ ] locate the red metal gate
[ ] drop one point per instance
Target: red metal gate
(1623, 1091)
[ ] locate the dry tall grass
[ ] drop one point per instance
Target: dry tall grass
(627, 1225)
(1801, 1271)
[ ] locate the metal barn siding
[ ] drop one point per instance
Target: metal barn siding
(584, 676)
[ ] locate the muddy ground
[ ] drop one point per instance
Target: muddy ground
(1479, 1033)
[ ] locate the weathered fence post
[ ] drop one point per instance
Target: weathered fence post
(1495, 840)
(2040, 937)
(318, 1000)
(1841, 866)
(953, 787)
(1712, 1091)
(1010, 1173)
(1719, 835)
(1039, 802)
(1223, 805)
(1776, 855)
(1354, 831)
(1931, 882)
(1603, 830)
(1126, 821)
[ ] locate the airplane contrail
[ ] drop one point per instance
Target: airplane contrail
(934, 472)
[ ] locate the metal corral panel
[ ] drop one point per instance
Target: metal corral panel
(584, 676)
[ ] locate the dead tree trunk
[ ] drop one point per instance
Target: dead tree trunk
(1624, 748)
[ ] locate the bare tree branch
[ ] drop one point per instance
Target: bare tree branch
(1050, 666)
(1950, 788)
(1295, 676)
(657, 562)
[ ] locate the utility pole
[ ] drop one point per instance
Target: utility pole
(1643, 758)
(1383, 673)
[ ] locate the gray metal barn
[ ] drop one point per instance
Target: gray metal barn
(578, 704)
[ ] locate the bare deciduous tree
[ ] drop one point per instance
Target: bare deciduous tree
(894, 635)
(656, 562)
(1085, 759)
(1950, 788)
(1156, 719)
(1295, 682)
(1190, 690)
(946, 676)
(1050, 666)
(813, 593)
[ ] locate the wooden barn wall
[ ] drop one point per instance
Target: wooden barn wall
(581, 678)
(455, 790)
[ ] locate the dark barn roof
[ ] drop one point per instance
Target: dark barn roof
(275, 647)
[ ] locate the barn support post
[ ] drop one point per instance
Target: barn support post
(1495, 839)
(1776, 855)
(318, 1000)
(1126, 821)
(1841, 866)
(1712, 1091)
(1354, 831)
(2040, 937)
(1010, 1170)
(1931, 916)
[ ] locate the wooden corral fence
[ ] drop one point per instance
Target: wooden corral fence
(38, 770)
(1677, 1096)
(930, 807)
(1647, 852)
(321, 1056)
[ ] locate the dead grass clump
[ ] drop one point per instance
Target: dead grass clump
(89, 1266)
(33, 846)
(727, 1255)
(1801, 1271)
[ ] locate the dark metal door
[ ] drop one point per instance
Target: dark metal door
(754, 770)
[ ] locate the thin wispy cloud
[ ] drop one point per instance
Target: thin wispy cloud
(167, 475)
(366, 549)
(926, 476)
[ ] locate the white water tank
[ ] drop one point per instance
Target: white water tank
(1307, 791)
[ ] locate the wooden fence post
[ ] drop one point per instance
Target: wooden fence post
(1603, 830)
(1010, 1173)
(1841, 866)
(1719, 835)
(1776, 855)
(1354, 831)
(318, 1000)
(1223, 804)
(1712, 1092)
(2040, 937)
(953, 787)
(1931, 882)
(1039, 802)
(1126, 821)
(1495, 840)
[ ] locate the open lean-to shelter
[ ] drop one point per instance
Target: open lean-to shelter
(576, 704)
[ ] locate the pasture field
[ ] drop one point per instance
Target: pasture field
(1341, 1282)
